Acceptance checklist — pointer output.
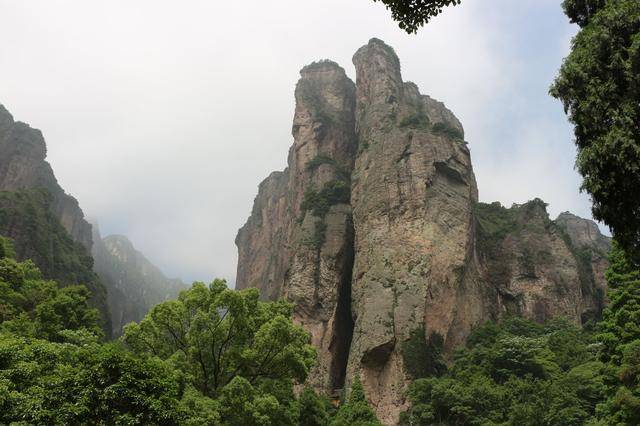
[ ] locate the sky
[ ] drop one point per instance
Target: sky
(162, 117)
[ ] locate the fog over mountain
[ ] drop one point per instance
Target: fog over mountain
(163, 131)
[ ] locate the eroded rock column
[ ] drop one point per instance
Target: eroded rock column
(413, 191)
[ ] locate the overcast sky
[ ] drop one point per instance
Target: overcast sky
(162, 117)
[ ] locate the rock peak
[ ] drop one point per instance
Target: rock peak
(377, 48)
(323, 65)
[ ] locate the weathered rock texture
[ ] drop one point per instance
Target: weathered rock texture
(542, 268)
(374, 230)
(135, 284)
(298, 242)
(23, 166)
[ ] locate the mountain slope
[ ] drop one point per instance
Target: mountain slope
(135, 284)
(45, 224)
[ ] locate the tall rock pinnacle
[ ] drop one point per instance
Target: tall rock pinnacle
(413, 194)
(298, 242)
(375, 233)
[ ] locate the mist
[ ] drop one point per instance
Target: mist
(162, 117)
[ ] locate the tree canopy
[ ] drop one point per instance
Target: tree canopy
(515, 372)
(599, 86)
(356, 410)
(619, 338)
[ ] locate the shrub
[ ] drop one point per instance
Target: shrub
(447, 130)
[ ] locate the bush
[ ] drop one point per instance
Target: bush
(447, 130)
(423, 357)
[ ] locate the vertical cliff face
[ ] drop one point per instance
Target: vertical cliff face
(135, 284)
(542, 268)
(298, 242)
(374, 231)
(412, 196)
(23, 166)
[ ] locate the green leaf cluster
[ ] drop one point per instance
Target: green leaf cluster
(356, 411)
(43, 382)
(240, 355)
(37, 234)
(619, 339)
(33, 307)
(599, 86)
(413, 14)
(423, 356)
(515, 372)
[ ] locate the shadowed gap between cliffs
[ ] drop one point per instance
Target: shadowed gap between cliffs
(343, 327)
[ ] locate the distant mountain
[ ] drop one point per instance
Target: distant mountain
(45, 224)
(48, 226)
(135, 284)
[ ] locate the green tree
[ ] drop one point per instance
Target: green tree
(215, 334)
(240, 356)
(599, 86)
(312, 409)
(31, 306)
(620, 339)
(413, 14)
(514, 372)
(356, 411)
(423, 357)
(61, 383)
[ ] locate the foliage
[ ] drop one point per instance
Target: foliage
(42, 238)
(60, 383)
(413, 14)
(495, 222)
(312, 409)
(415, 121)
(6, 248)
(26, 216)
(31, 306)
(423, 357)
(619, 338)
(356, 411)
(447, 130)
(321, 64)
(232, 348)
(515, 372)
(599, 86)
(581, 11)
(319, 202)
(342, 174)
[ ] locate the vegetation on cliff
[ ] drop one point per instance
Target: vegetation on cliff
(520, 372)
(36, 234)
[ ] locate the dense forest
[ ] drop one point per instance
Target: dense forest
(219, 356)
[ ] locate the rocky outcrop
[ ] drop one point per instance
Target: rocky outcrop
(413, 194)
(298, 242)
(23, 166)
(541, 268)
(374, 231)
(45, 224)
(135, 284)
